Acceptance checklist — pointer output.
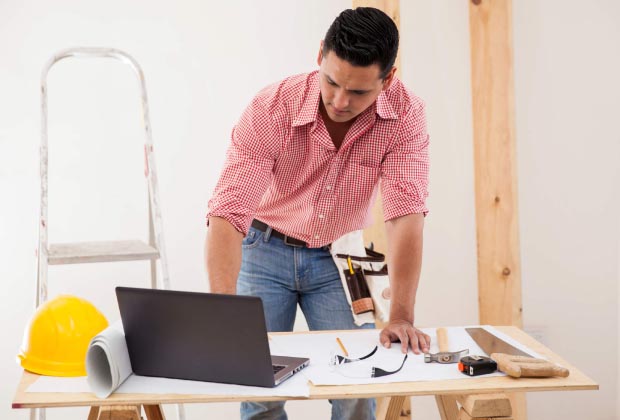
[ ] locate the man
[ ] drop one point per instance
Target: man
(301, 171)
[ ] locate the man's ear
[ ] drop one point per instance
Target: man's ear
(387, 81)
(319, 58)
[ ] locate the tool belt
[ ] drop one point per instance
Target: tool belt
(364, 276)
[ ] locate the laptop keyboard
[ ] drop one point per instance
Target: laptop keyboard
(277, 368)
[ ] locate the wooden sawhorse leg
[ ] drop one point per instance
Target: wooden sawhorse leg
(125, 412)
(393, 408)
(472, 407)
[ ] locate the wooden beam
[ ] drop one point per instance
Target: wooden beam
(499, 271)
(497, 222)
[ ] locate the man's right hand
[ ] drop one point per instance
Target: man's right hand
(222, 255)
(409, 336)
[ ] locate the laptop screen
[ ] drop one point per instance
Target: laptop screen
(196, 336)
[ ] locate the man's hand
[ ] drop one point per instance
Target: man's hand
(404, 236)
(407, 334)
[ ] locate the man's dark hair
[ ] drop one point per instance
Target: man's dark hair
(363, 36)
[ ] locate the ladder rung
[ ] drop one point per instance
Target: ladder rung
(105, 251)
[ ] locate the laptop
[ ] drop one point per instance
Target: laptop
(202, 337)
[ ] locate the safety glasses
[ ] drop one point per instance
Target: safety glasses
(357, 368)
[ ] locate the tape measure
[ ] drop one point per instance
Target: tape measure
(477, 365)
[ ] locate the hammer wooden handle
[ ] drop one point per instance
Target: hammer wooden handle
(521, 366)
(442, 340)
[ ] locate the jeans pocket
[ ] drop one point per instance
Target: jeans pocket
(252, 239)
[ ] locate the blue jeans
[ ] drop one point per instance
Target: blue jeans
(284, 276)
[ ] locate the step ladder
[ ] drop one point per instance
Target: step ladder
(106, 251)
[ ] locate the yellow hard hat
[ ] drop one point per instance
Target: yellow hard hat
(57, 337)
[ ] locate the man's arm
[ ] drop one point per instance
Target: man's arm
(404, 239)
(223, 255)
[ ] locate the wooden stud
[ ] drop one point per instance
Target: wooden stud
(499, 271)
(486, 405)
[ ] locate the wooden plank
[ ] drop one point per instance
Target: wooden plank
(102, 251)
(499, 271)
(486, 405)
(446, 404)
(576, 381)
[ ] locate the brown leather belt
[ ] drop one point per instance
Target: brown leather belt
(287, 239)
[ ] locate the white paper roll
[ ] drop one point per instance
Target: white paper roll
(107, 361)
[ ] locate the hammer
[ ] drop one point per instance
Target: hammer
(444, 356)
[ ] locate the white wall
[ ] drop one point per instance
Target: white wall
(203, 62)
(568, 99)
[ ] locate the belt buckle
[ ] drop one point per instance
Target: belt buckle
(296, 245)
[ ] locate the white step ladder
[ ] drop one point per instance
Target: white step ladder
(93, 252)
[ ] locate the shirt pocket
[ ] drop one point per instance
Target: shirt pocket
(367, 160)
(359, 182)
(370, 156)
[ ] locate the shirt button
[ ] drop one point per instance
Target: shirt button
(316, 236)
(321, 216)
(328, 187)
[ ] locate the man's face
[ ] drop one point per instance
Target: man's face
(347, 90)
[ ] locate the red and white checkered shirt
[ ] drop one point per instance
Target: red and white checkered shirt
(283, 169)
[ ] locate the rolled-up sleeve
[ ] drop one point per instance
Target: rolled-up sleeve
(248, 168)
(404, 170)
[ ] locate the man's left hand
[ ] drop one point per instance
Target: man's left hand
(407, 334)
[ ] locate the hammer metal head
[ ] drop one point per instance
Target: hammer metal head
(446, 356)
